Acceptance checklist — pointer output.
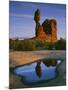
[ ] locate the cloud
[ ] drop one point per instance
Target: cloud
(21, 15)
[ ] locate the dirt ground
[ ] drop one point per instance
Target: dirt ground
(17, 58)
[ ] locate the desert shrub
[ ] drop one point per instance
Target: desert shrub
(48, 45)
(22, 45)
(39, 45)
(29, 45)
(60, 44)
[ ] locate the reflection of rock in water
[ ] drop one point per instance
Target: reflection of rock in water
(54, 62)
(50, 63)
(46, 63)
(38, 69)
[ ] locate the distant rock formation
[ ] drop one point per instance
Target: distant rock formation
(47, 31)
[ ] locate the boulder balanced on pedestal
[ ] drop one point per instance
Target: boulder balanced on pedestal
(47, 31)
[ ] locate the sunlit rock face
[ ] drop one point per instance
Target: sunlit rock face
(53, 24)
(41, 34)
(47, 31)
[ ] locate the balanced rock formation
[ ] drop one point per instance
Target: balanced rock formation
(47, 31)
(37, 19)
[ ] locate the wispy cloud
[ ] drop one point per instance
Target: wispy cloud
(21, 15)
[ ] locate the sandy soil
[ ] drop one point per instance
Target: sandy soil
(19, 58)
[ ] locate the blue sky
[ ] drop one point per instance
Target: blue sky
(21, 18)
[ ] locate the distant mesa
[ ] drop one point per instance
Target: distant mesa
(47, 31)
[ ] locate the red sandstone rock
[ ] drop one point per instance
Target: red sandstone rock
(47, 31)
(37, 15)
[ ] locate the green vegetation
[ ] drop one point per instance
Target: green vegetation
(30, 45)
(22, 45)
(60, 44)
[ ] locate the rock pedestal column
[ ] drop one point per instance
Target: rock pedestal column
(37, 19)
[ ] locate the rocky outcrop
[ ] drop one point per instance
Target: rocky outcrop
(37, 19)
(47, 31)
(37, 15)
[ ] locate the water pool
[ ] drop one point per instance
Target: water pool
(29, 74)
